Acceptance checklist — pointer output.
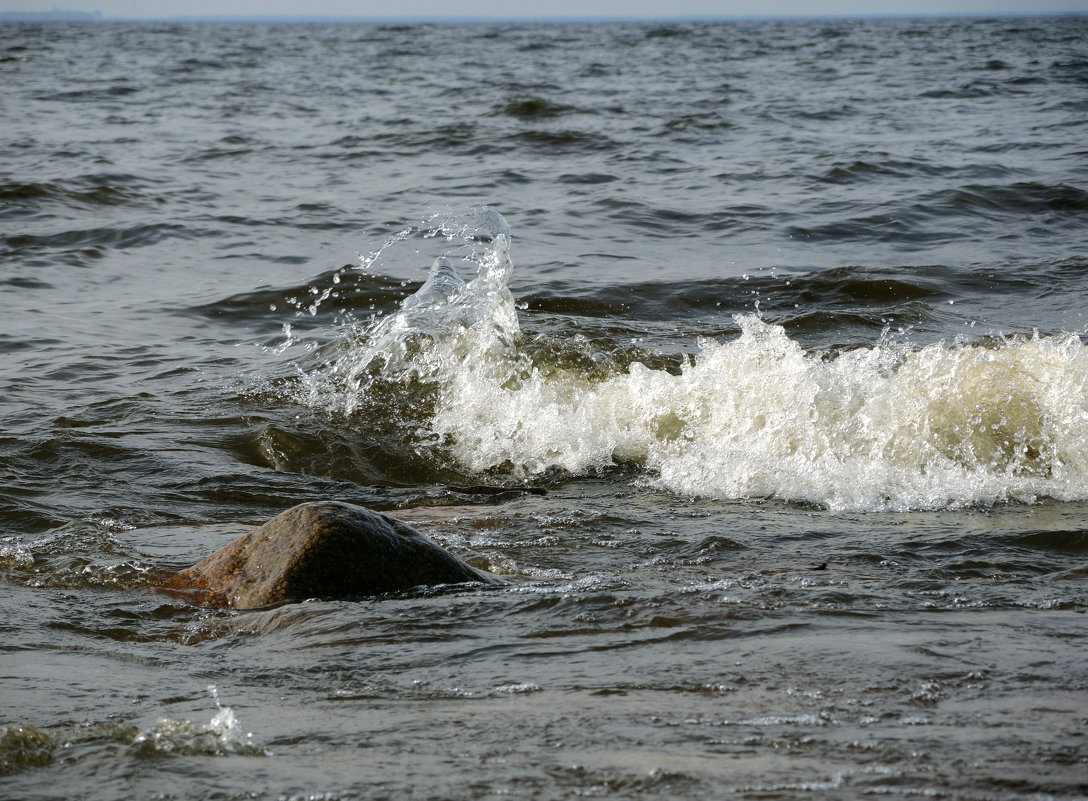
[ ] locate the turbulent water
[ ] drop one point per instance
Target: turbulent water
(752, 356)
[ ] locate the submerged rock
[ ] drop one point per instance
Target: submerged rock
(324, 549)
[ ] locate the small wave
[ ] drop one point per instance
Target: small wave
(1067, 541)
(28, 746)
(1074, 70)
(223, 735)
(533, 108)
(865, 170)
(678, 223)
(587, 178)
(91, 242)
(695, 127)
(86, 553)
(667, 32)
(192, 65)
(900, 226)
(970, 91)
(404, 138)
(83, 193)
(860, 170)
(564, 141)
(352, 290)
(956, 211)
(1014, 199)
(217, 153)
(91, 95)
(25, 282)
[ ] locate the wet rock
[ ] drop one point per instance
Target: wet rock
(324, 549)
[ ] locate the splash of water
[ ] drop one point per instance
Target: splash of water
(888, 426)
(448, 322)
(224, 734)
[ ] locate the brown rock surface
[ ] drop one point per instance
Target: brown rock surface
(324, 549)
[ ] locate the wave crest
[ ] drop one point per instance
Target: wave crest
(882, 427)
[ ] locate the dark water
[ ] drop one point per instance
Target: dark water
(786, 319)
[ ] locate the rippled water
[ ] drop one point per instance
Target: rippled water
(751, 356)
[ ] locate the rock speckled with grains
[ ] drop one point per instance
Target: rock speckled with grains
(322, 549)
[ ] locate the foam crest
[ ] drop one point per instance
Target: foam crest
(883, 427)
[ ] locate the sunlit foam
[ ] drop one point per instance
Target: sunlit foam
(883, 427)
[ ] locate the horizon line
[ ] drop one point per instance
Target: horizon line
(58, 15)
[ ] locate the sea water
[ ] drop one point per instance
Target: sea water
(750, 355)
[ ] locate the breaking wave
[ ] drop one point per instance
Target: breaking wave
(886, 426)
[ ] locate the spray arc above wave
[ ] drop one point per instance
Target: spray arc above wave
(888, 426)
(447, 321)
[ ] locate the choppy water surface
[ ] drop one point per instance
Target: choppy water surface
(751, 356)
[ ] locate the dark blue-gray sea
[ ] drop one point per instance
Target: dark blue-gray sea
(751, 355)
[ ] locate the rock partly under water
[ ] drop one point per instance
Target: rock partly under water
(323, 549)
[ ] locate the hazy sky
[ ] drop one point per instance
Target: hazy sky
(541, 8)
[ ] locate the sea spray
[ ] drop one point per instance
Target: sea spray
(445, 323)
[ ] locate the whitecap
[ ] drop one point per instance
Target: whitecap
(887, 426)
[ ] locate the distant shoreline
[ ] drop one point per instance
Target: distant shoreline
(97, 16)
(51, 16)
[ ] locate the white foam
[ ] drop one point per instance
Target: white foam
(757, 417)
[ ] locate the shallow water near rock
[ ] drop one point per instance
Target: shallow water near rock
(750, 356)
